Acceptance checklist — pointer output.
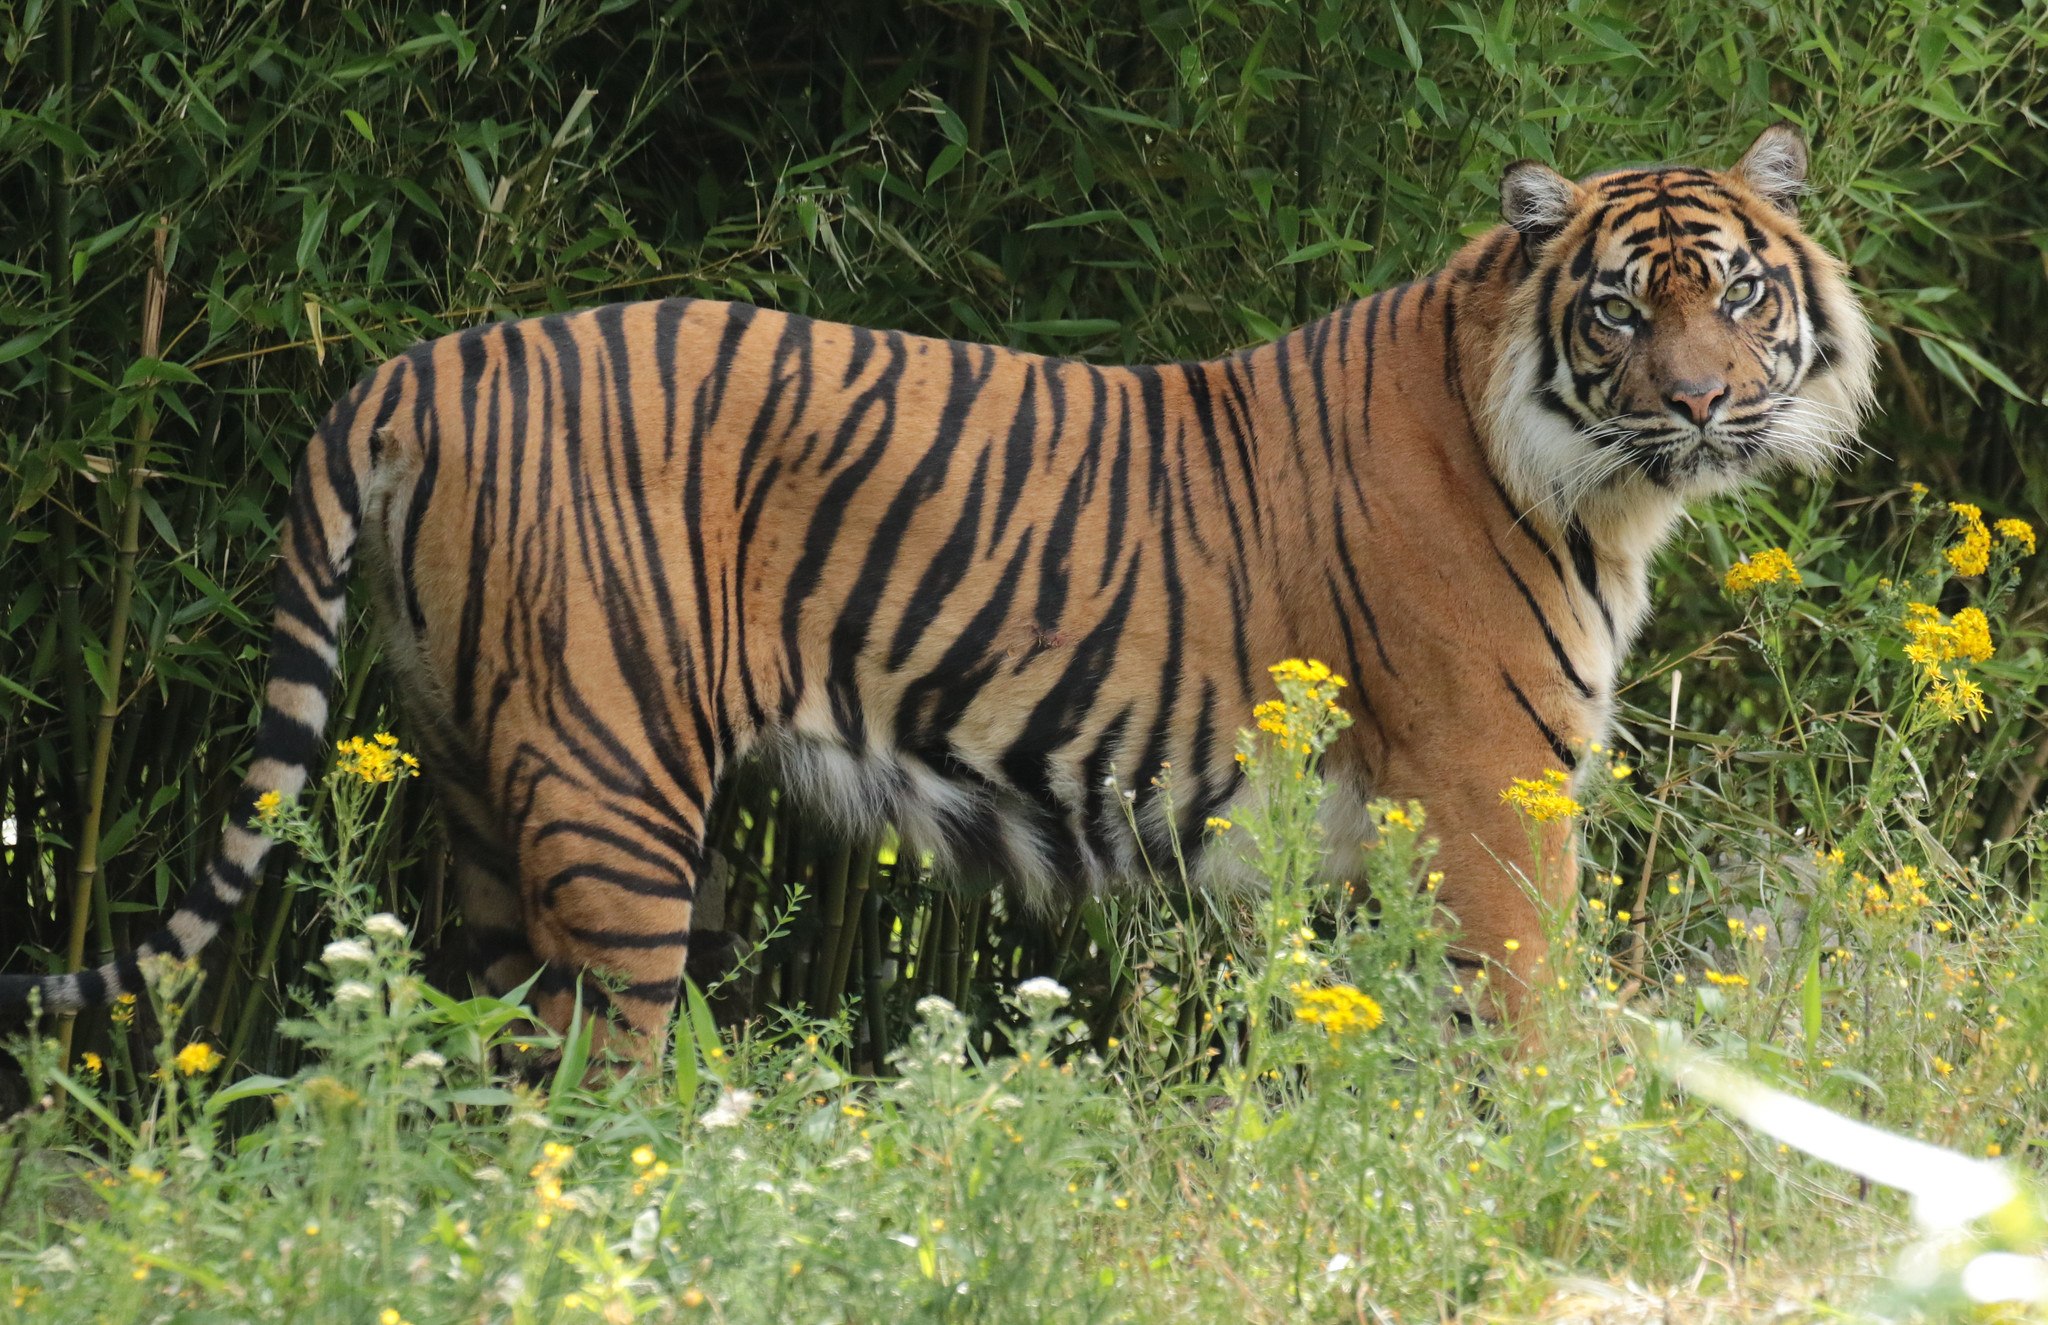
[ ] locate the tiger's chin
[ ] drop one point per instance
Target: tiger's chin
(1627, 479)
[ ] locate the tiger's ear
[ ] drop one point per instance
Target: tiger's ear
(1774, 167)
(1536, 201)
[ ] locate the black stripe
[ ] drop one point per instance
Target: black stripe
(1557, 746)
(1557, 649)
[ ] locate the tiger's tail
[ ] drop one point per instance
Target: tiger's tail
(316, 550)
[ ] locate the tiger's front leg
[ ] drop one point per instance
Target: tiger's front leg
(1508, 884)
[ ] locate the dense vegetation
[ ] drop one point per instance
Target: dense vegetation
(221, 214)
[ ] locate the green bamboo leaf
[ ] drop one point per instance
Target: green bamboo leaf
(1095, 217)
(1066, 326)
(473, 174)
(15, 346)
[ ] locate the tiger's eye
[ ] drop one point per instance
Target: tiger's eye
(1616, 309)
(1739, 292)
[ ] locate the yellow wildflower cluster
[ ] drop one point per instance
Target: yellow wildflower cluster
(1727, 980)
(1542, 799)
(1338, 1009)
(375, 759)
(2016, 531)
(1971, 556)
(269, 806)
(647, 1170)
(197, 1057)
(547, 1181)
(1941, 648)
(1309, 673)
(1903, 892)
(1307, 713)
(1773, 565)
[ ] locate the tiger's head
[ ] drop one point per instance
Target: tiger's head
(1677, 335)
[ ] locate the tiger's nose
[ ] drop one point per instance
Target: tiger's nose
(1695, 401)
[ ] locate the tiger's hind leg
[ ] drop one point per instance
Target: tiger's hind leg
(608, 886)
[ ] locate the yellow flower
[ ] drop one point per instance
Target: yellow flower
(91, 1063)
(1972, 635)
(1958, 698)
(375, 759)
(643, 1156)
(1770, 566)
(269, 805)
(1963, 639)
(197, 1057)
(2017, 531)
(1337, 1009)
(1310, 673)
(1971, 556)
(389, 1316)
(1216, 824)
(1730, 980)
(1542, 799)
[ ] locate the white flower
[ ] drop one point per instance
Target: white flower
(932, 1007)
(427, 1059)
(731, 1110)
(347, 952)
(1041, 994)
(354, 991)
(384, 925)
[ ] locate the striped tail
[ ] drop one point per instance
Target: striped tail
(316, 549)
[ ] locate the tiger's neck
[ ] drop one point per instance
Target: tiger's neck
(1430, 569)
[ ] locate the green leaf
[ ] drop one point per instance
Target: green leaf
(15, 346)
(1066, 326)
(479, 182)
(157, 370)
(951, 155)
(1096, 217)
(246, 1088)
(575, 1052)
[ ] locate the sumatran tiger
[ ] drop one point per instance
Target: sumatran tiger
(956, 588)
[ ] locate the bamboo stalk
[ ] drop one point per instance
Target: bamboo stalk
(70, 632)
(86, 873)
(833, 914)
(860, 872)
(946, 963)
(972, 922)
(871, 979)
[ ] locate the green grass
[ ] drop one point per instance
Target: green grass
(1234, 1146)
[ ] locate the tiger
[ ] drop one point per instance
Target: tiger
(970, 592)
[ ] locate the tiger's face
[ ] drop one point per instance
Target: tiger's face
(1677, 336)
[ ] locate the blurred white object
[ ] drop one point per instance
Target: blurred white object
(1949, 1191)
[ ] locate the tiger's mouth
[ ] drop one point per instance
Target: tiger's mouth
(1780, 431)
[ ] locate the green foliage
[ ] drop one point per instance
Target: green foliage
(1119, 182)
